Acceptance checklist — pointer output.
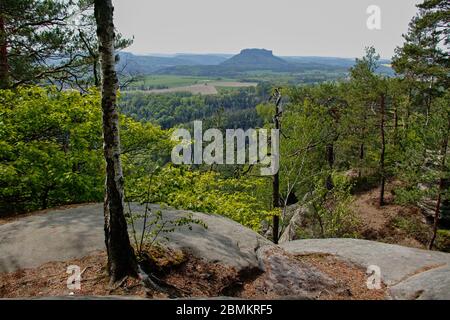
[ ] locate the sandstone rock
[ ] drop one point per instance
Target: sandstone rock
(224, 241)
(296, 221)
(284, 275)
(409, 273)
(396, 262)
(433, 284)
(63, 234)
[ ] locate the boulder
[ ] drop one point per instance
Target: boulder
(296, 221)
(286, 276)
(408, 272)
(223, 241)
(63, 234)
(433, 284)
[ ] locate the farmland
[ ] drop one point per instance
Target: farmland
(195, 85)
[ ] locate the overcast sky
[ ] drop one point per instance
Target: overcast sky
(288, 27)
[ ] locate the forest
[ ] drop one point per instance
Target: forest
(234, 109)
(60, 117)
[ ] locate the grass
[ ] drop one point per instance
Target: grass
(193, 84)
(171, 81)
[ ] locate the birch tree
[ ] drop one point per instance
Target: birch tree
(121, 257)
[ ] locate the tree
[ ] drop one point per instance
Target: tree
(362, 97)
(383, 147)
(50, 42)
(276, 176)
(85, 44)
(423, 62)
(442, 179)
(121, 256)
(4, 78)
(33, 37)
(50, 149)
(423, 59)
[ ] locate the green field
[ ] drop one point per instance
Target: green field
(170, 81)
(192, 84)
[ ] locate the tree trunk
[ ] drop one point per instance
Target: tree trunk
(276, 204)
(441, 186)
(383, 148)
(121, 257)
(395, 126)
(96, 78)
(276, 179)
(4, 68)
(330, 160)
(361, 159)
(361, 148)
(44, 198)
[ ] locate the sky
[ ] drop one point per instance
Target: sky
(288, 27)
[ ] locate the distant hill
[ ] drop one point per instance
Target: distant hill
(130, 63)
(223, 65)
(249, 60)
(204, 59)
(255, 59)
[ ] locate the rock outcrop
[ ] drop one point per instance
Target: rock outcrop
(63, 234)
(408, 272)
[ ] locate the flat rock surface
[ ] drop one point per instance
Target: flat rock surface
(433, 284)
(409, 273)
(62, 234)
(286, 276)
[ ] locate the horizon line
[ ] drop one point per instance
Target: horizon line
(167, 54)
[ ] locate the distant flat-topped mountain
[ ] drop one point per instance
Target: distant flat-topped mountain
(240, 65)
(255, 59)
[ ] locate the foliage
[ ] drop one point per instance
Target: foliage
(334, 216)
(180, 187)
(52, 42)
(413, 227)
(154, 226)
(169, 110)
(443, 240)
(51, 148)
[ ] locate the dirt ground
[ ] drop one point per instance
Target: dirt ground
(381, 223)
(191, 276)
(350, 281)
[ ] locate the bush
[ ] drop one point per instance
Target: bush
(179, 187)
(443, 240)
(413, 227)
(332, 208)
